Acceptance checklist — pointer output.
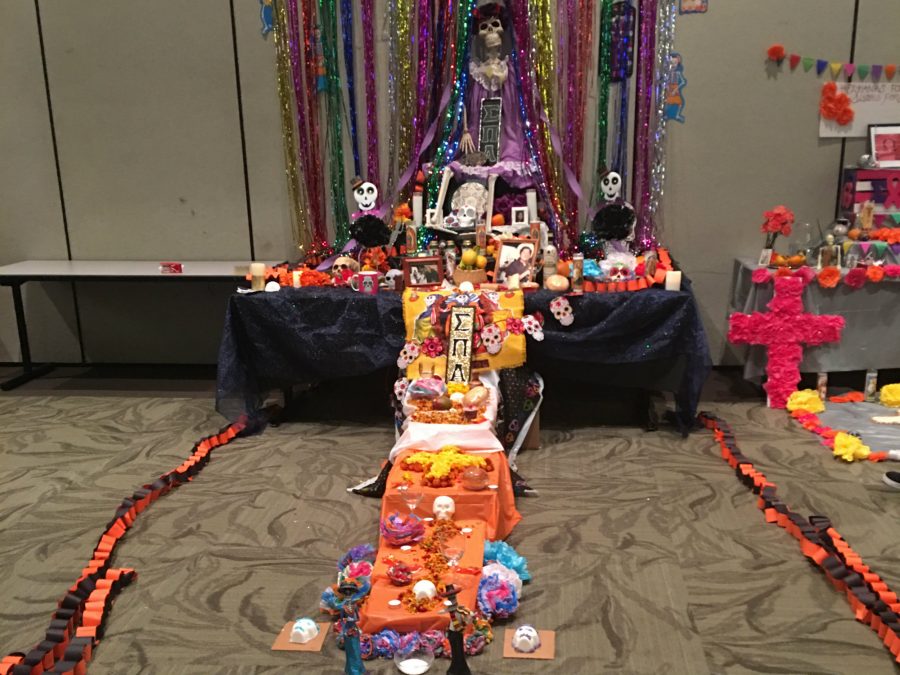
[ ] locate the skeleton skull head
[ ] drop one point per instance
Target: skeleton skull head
(526, 639)
(492, 338)
(533, 327)
(562, 310)
(467, 215)
(443, 507)
(408, 354)
(343, 267)
(618, 272)
(365, 195)
(394, 279)
(611, 186)
(490, 31)
(304, 630)
(424, 590)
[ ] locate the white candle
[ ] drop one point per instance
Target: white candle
(418, 208)
(257, 276)
(296, 279)
(531, 200)
(673, 281)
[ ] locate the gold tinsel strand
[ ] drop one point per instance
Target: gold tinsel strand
(404, 86)
(296, 186)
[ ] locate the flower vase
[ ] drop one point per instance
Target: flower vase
(770, 240)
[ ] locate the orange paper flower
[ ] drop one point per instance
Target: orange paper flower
(875, 273)
(829, 277)
(776, 52)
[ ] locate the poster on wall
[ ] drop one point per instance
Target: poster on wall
(693, 6)
(872, 102)
(674, 109)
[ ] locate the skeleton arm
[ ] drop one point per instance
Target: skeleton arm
(446, 175)
(466, 144)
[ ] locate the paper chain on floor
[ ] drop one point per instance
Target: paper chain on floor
(872, 602)
(78, 624)
(778, 54)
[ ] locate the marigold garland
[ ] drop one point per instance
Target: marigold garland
(442, 468)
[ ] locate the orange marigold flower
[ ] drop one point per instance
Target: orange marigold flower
(829, 277)
(875, 273)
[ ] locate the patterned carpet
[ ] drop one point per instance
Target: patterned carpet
(648, 555)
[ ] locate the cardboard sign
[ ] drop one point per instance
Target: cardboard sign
(489, 128)
(283, 641)
(547, 650)
(873, 103)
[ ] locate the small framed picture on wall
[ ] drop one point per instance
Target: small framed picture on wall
(884, 144)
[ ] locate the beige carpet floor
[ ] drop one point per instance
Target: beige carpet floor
(648, 555)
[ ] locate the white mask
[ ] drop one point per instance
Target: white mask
(467, 215)
(611, 186)
(366, 194)
(526, 639)
(304, 630)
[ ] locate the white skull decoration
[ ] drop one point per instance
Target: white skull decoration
(490, 31)
(562, 310)
(424, 590)
(400, 387)
(526, 639)
(618, 272)
(341, 265)
(467, 215)
(611, 186)
(365, 194)
(394, 279)
(408, 354)
(304, 630)
(533, 327)
(443, 507)
(492, 338)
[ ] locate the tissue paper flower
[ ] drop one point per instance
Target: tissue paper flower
(778, 221)
(776, 52)
(433, 641)
(805, 399)
(385, 643)
(400, 530)
(407, 643)
(849, 447)
(856, 278)
(357, 554)
(433, 347)
(892, 271)
(496, 597)
(366, 648)
(506, 555)
(890, 395)
(806, 273)
(504, 573)
(829, 277)
(875, 273)
(761, 276)
(363, 568)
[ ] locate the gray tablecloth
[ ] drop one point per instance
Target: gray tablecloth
(871, 338)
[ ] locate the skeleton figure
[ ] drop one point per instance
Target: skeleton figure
(829, 253)
(365, 194)
(304, 630)
(526, 639)
(443, 507)
(562, 310)
(611, 186)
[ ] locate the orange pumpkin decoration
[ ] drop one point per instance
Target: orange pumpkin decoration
(498, 220)
(562, 267)
(854, 233)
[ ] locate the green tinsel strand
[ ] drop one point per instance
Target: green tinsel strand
(603, 79)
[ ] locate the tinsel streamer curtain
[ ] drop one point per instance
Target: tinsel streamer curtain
(293, 170)
(389, 36)
(664, 70)
(582, 69)
(334, 132)
(372, 160)
(405, 57)
(349, 70)
(603, 81)
(425, 48)
(647, 10)
(313, 161)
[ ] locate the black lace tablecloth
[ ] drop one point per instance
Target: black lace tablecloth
(652, 339)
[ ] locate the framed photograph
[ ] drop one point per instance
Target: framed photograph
(516, 256)
(425, 272)
(519, 216)
(884, 144)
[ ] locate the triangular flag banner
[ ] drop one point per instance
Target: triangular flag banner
(820, 66)
(896, 217)
(876, 73)
(889, 71)
(849, 68)
(862, 71)
(808, 63)
(835, 68)
(795, 59)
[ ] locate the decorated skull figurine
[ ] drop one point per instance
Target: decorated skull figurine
(343, 268)
(408, 354)
(526, 639)
(492, 338)
(424, 590)
(618, 272)
(365, 194)
(562, 310)
(304, 630)
(467, 215)
(611, 186)
(533, 327)
(490, 31)
(443, 507)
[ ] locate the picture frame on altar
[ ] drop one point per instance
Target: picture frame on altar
(424, 272)
(516, 256)
(884, 144)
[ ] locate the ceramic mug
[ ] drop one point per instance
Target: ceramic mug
(365, 282)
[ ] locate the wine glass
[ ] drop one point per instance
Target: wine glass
(411, 498)
(453, 548)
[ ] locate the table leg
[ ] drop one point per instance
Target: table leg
(31, 371)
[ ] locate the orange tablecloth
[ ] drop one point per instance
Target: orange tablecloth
(376, 614)
(495, 507)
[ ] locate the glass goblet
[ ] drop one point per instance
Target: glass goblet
(453, 548)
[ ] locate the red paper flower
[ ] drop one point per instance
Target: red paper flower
(806, 273)
(829, 277)
(433, 347)
(875, 273)
(515, 326)
(776, 52)
(761, 276)
(835, 105)
(778, 220)
(892, 271)
(856, 278)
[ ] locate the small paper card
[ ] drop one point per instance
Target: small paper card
(283, 641)
(547, 650)
(765, 257)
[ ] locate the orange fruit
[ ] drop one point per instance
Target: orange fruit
(854, 233)
(562, 267)
(498, 219)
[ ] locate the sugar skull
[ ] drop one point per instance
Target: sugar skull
(611, 186)
(467, 216)
(408, 354)
(562, 310)
(492, 338)
(618, 272)
(443, 507)
(533, 327)
(343, 268)
(400, 387)
(304, 630)
(424, 590)
(365, 194)
(526, 639)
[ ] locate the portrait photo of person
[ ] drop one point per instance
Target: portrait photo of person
(516, 258)
(423, 271)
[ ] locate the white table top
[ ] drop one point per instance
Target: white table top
(124, 269)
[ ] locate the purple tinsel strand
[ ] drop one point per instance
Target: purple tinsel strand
(643, 110)
(294, 48)
(347, 34)
(425, 48)
(368, 23)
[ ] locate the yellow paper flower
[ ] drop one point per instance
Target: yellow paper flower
(807, 400)
(890, 395)
(849, 448)
(457, 387)
(440, 464)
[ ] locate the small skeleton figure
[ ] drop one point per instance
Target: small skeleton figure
(829, 253)
(460, 617)
(365, 194)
